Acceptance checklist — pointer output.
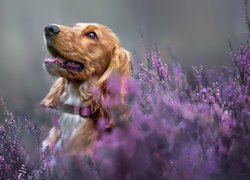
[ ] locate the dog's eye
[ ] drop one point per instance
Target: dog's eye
(91, 35)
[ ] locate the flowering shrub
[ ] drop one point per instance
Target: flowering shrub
(178, 129)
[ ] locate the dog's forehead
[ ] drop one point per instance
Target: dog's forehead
(86, 25)
(102, 30)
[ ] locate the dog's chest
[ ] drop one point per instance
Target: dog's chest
(70, 123)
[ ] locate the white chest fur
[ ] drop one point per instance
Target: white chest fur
(69, 123)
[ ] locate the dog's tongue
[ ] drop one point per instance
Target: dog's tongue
(53, 60)
(64, 63)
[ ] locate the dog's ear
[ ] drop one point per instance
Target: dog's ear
(53, 97)
(120, 64)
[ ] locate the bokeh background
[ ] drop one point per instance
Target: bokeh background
(196, 31)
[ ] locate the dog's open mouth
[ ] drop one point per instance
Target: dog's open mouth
(61, 61)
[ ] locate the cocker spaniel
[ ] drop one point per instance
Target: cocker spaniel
(83, 58)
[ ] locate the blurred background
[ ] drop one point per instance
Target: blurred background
(196, 31)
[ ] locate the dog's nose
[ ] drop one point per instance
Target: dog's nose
(51, 30)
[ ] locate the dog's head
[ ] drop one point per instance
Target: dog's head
(83, 51)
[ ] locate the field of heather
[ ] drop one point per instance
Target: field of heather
(192, 126)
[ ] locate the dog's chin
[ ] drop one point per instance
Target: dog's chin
(53, 69)
(57, 71)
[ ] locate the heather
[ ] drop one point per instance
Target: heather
(181, 127)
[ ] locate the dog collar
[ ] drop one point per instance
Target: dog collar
(83, 111)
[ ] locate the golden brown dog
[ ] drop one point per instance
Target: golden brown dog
(83, 58)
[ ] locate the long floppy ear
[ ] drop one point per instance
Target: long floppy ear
(53, 97)
(120, 63)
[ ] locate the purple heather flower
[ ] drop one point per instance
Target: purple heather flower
(114, 85)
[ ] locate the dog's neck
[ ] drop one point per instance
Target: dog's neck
(70, 123)
(75, 130)
(72, 94)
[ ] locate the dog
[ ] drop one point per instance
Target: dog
(83, 58)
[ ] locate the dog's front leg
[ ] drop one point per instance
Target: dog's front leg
(53, 97)
(51, 140)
